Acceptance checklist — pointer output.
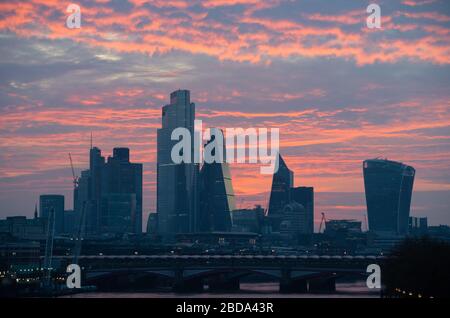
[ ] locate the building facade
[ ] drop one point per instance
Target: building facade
(282, 182)
(294, 221)
(418, 225)
(109, 194)
(248, 220)
(388, 187)
(216, 195)
(55, 203)
(305, 197)
(176, 183)
(121, 198)
(23, 228)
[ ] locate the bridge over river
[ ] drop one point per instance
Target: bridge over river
(295, 273)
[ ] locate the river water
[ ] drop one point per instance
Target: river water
(247, 290)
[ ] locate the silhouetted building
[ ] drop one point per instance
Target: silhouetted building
(17, 255)
(121, 198)
(342, 227)
(417, 225)
(441, 232)
(118, 213)
(342, 237)
(294, 221)
(248, 220)
(282, 182)
(82, 195)
(23, 228)
(176, 183)
(55, 202)
(305, 197)
(93, 204)
(388, 186)
(215, 192)
(70, 222)
(152, 223)
(110, 194)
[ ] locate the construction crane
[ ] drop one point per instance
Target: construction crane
(322, 221)
(75, 178)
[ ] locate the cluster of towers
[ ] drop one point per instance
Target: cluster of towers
(200, 198)
(108, 196)
(193, 198)
(190, 198)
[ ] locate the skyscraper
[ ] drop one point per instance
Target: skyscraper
(282, 182)
(294, 221)
(176, 183)
(93, 206)
(152, 223)
(305, 197)
(81, 199)
(388, 185)
(110, 194)
(215, 193)
(47, 202)
(121, 197)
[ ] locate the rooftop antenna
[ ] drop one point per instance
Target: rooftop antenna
(91, 139)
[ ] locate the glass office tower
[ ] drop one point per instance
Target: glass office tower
(216, 193)
(121, 199)
(176, 183)
(388, 186)
(305, 197)
(55, 202)
(282, 182)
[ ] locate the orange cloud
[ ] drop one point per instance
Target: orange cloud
(197, 34)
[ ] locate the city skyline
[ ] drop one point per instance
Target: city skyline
(110, 201)
(59, 85)
(362, 218)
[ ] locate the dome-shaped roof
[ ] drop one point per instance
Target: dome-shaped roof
(293, 206)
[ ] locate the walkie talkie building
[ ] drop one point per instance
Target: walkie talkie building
(388, 185)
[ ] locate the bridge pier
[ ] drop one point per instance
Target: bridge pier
(293, 286)
(290, 285)
(188, 286)
(322, 285)
(224, 283)
(183, 285)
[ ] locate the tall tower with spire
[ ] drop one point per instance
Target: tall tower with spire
(282, 182)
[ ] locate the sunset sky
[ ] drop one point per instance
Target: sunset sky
(339, 91)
